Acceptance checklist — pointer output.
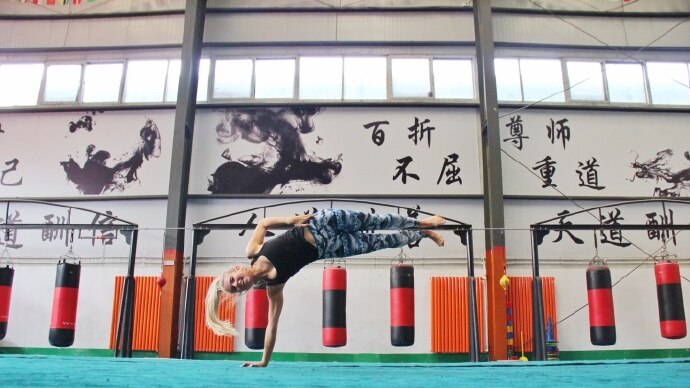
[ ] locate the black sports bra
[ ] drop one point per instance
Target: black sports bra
(289, 252)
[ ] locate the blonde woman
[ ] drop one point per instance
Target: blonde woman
(330, 233)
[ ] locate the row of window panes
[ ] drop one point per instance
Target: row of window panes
(346, 78)
(663, 83)
(320, 78)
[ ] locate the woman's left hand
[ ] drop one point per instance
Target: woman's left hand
(301, 220)
(254, 364)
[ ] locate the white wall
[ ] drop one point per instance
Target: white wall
(608, 135)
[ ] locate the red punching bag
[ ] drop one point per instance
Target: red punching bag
(670, 297)
(256, 317)
(334, 292)
(64, 316)
(402, 305)
(602, 324)
(6, 277)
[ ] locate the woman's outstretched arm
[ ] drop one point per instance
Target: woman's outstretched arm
(275, 306)
(257, 239)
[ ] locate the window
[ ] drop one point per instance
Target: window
(145, 81)
(275, 78)
(542, 80)
(20, 83)
(410, 77)
(62, 83)
(173, 80)
(102, 82)
(508, 85)
(668, 83)
(586, 81)
(232, 78)
(625, 82)
(453, 78)
(321, 78)
(365, 78)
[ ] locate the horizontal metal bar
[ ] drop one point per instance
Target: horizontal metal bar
(609, 227)
(464, 227)
(69, 226)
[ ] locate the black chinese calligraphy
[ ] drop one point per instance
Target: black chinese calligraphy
(575, 239)
(558, 130)
(612, 236)
(401, 170)
(450, 170)
(49, 234)
(660, 169)
(516, 132)
(283, 158)
(663, 219)
(378, 136)
(12, 170)
(8, 237)
(588, 174)
(98, 175)
(547, 170)
(420, 129)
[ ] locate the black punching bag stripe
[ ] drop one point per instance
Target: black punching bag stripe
(602, 325)
(64, 315)
(256, 317)
(333, 308)
(670, 300)
(6, 278)
(402, 305)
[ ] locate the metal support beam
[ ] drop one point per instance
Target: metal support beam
(493, 180)
(173, 253)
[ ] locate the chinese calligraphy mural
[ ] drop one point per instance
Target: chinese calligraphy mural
(594, 154)
(71, 155)
(335, 151)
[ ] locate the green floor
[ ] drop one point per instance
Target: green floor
(60, 371)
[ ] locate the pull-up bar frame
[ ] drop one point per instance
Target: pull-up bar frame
(125, 322)
(539, 230)
(203, 228)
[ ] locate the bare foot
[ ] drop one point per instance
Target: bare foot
(431, 221)
(436, 237)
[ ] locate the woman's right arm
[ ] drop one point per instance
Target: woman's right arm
(275, 307)
(257, 239)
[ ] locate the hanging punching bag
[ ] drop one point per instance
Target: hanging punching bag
(256, 317)
(64, 316)
(334, 293)
(402, 305)
(602, 325)
(6, 277)
(670, 297)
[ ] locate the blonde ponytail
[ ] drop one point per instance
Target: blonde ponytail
(213, 299)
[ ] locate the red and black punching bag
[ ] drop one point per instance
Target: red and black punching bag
(256, 317)
(334, 293)
(402, 305)
(6, 277)
(602, 324)
(64, 316)
(670, 297)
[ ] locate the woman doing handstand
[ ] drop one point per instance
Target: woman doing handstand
(330, 233)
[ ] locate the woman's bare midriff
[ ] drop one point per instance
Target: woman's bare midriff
(309, 237)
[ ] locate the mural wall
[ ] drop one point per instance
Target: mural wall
(85, 154)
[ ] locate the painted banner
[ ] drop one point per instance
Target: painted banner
(336, 151)
(577, 153)
(85, 154)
